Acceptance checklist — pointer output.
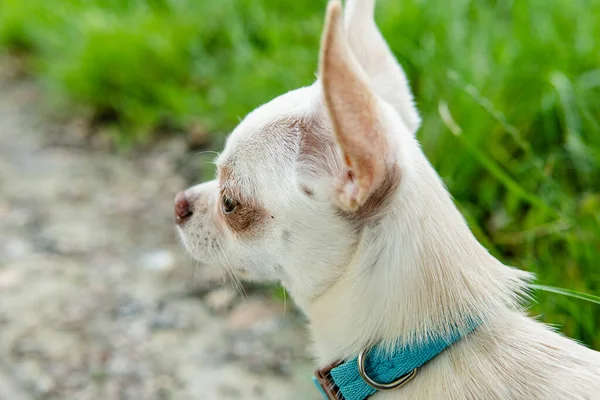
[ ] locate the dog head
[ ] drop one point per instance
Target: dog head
(304, 174)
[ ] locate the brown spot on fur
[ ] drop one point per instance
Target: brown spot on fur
(245, 218)
(311, 142)
(248, 215)
(318, 150)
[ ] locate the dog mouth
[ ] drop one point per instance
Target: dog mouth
(207, 256)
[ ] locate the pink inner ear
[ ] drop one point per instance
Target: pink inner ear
(347, 160)
(354, 113)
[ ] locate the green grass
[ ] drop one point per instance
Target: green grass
(509, 91)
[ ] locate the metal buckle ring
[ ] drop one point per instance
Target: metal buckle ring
(401, 381)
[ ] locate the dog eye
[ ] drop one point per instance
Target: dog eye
(228, 205)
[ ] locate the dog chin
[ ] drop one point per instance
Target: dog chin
(251, 275)
(239, 272)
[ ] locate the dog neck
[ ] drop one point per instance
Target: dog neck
(417, 271)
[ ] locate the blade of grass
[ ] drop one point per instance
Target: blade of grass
(570, 293)
(498, 116)
(490, 165)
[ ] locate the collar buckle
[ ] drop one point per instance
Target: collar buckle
(398, 383)
(326, 385)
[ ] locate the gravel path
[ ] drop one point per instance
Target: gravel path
(98, 300)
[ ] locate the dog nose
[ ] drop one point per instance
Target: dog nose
(183, 208)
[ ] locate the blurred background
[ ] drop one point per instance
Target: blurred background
(108, 108)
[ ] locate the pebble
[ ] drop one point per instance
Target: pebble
(220, 299)
(10, 278)
(158, 260)
(254, 314)
(16, 248)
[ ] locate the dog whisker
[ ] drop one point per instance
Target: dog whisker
(206, 152)
(229, 267)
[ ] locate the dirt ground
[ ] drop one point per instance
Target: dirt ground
(97, 298)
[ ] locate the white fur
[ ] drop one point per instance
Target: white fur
(414, 270)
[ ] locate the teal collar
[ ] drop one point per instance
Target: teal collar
(379, 369)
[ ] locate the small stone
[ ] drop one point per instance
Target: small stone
(103, 138)
(15, 248)
(163, 321)
(129, 308)
(44, 385)
(120, 365)
(197, 136)
(10, 278)
(159, 260)
(4, 210)
(77, 130)
(220, 299)
(254, 315)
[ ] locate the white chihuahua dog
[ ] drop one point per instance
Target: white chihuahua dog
(326, 190)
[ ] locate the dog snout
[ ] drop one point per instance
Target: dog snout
(184, 209)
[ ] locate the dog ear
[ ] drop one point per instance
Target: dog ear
(354, 111)
(377, 60)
